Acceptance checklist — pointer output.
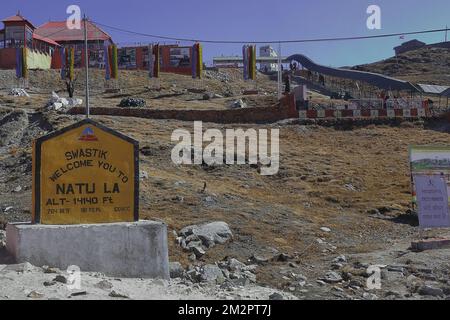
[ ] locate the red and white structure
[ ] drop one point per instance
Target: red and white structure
(393, 110)
(361, 114)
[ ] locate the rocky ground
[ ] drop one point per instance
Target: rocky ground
(24, 281)
(339, 204)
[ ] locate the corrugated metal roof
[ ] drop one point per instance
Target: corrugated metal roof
(48, 40)
(446, 93)
(58, 31)
(378, 80)
(239, 59)
(432, 89)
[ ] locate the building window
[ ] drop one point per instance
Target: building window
(14, 37)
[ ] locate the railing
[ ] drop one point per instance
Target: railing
(379, 104)
(330, 114)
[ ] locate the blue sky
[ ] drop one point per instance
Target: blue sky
(257, 20)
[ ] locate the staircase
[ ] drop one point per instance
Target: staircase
(315, 87)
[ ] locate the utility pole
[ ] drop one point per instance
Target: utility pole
(279, 71)
(446, 31)
(86, 64)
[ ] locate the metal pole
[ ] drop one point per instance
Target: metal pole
(86, 64)
(279, 71)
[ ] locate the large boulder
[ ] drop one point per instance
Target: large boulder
(210, 233)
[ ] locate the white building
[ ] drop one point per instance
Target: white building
(268, 51)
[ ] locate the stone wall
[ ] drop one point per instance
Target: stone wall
(285, 110)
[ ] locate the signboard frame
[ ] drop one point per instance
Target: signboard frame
(436, 162)
(37, 165)
(429, 219)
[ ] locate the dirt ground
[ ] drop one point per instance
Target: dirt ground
(354, 182)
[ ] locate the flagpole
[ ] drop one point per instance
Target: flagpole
(86, 64)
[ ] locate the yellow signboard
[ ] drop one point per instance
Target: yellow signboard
(85, 173)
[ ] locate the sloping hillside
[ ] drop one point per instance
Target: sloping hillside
(426, 65)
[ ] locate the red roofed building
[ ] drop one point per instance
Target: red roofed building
(58, 31)
(48, 38)
(74, 38)
(19, 31)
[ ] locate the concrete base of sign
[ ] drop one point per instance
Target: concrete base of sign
(431, 244)
(136, 249)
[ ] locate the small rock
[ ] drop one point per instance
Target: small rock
(132, 103)
(192, 257)
(259, 259)
(211, 273)
(73, 102)
(178, 199)
(235, 265)
(115, 294)
(18, 92)
(226, 273)
(370, 296)
(78, 293)
(338, 289)
(190, 246)
(325, 229)
(48, 269)
(340, 259)
(238, 104)
(49, 283)
(396, 269)
(276, 296)
(337, 266)
(198, 251)
(17, 189)
(332, 277)
(104, 285)
(428, 290)
(251, 268)
(143, 175)
(146, 151)
(176, 270)
(192, 237)
(283, 257)
(60, 278)
(242, 281)
(35, 295)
